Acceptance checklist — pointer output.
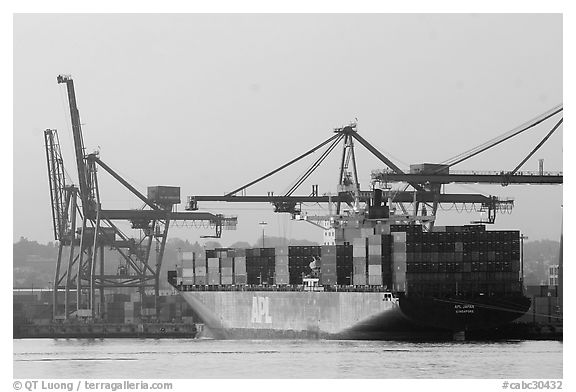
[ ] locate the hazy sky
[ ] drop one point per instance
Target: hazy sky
(210, 102)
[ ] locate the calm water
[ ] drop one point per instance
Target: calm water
(188, 358)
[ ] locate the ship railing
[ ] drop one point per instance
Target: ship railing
(268, 288)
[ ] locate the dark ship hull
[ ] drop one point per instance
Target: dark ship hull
(458, 314)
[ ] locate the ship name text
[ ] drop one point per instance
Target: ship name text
(467, 308)
(261, 310)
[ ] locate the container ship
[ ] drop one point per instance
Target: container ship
(376, 280)
(384, 270)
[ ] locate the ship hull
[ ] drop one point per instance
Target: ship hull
(458, 314)
(335, 315)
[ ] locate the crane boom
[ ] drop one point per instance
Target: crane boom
(503, 178)
(57, 182)
(83, 173)
(349, 188)
(364, 196)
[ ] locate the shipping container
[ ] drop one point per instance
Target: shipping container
(359, 280)
(359, 265)
(213, 263)
(375, 240)
(281, 270)
(226, 262)
(226, 271)
(187, 272)
(253, 252)
(375, 250)
(360, 248)
(374, 270)
(328, 279)
(328, 250)
(213, 277)
(304, 250)
(399, 257)
(240, 265)
(374, 260)
(328, 269)
(328, 259)
(164, 194)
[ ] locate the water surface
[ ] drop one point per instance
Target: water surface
(191, 358)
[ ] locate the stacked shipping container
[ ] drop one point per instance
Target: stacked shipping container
(227, 266)
(344, 264)
(281, 275)
(399, 261)
(200, 271)
(463, 259)
(375, 260)
(359, 255)
(402, 258)
(372, 260)
(240, 276)
(299, 259)
(328, 265)
(260, 266)
(213, 271)
(187, 267)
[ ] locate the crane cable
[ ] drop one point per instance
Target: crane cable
(314, 166)
(499, 139)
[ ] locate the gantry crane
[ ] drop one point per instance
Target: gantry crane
(376, 201)
(426, 181)
(433, 176)
(71, 204)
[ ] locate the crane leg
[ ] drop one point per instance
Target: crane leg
(56, 282)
